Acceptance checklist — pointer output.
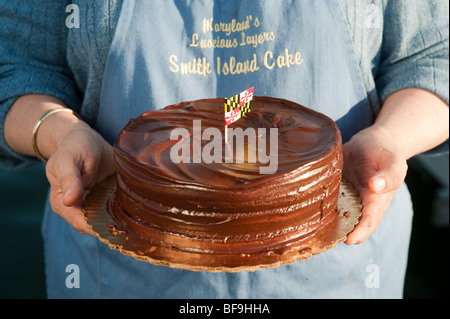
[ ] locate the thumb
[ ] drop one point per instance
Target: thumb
(67, 174)
(71, 185)
(390, 176)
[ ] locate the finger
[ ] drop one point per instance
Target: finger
(74, 215)
(367, 225)
(374, 207)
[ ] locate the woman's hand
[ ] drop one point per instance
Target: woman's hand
(377, 168)
(82, 160)
(78, 157)
(411, 121)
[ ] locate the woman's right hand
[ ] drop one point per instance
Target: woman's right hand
(82, 159)
(78, 156)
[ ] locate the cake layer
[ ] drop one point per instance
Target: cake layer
(222, 207)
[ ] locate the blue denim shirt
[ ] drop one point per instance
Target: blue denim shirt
(399, 44)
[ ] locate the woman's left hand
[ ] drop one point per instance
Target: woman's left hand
(376, 167)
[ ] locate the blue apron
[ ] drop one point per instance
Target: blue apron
(165, 52)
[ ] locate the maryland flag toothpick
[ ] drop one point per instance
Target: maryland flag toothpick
(238, 106)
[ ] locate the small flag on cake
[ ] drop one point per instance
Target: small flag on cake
(238, 106)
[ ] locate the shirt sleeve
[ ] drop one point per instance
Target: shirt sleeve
(33, 37)
(415, 49)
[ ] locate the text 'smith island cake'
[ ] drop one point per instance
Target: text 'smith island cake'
(178, 188)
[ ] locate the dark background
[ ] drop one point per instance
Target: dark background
(22, 196)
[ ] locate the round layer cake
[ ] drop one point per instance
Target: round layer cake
(216, 200)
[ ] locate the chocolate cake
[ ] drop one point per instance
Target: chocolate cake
(227, 207)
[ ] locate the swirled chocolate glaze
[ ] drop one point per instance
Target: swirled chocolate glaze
(220, 207)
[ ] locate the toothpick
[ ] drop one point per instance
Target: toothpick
(226, 134)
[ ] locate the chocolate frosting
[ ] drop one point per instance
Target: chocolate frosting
(227, 208)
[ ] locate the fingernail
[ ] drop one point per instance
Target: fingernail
(379, 184)
(67, 193)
